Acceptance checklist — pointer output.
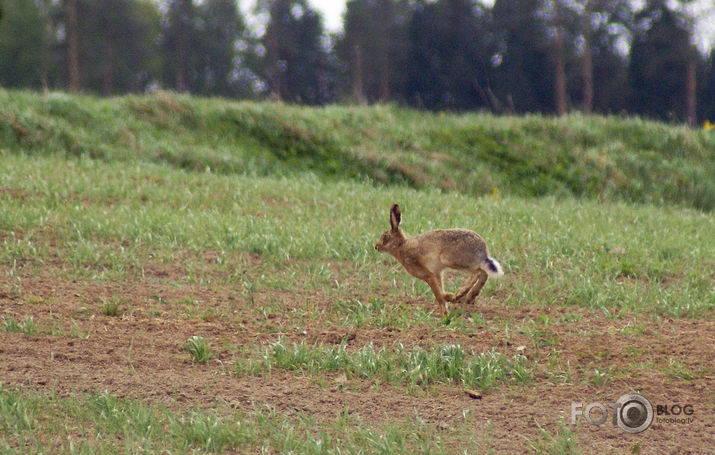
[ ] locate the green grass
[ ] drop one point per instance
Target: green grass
(599, 378)
(199, 349)
(109, 220)
(397, 365)
(564, 442)
(476, 154)
(677, 369)
(103, 423)
(27, 326)
(111, 307)
(379, 313)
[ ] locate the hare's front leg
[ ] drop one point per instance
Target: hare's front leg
(435, 282)
(448, 296)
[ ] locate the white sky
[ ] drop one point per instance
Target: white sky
(332, 10)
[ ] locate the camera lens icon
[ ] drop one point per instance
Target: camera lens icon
(635, 413)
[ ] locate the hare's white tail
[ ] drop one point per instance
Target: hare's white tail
(493, 268)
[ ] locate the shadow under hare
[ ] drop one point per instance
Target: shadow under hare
(425, 256)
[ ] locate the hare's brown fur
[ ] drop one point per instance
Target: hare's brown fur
(425, 256)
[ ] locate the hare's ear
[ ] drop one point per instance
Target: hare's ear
(395, 216)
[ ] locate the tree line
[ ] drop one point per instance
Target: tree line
(517, 56)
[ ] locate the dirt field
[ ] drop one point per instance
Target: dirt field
(138, 354)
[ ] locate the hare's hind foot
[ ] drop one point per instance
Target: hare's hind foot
(470, 297)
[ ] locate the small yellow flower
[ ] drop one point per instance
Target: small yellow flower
(708, 126)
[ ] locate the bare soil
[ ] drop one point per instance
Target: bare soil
(138, 354)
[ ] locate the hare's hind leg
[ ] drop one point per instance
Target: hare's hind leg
(480, 280)
(468, 284)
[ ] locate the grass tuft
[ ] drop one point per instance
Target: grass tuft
(111, 307)
(199, 349)
(415, 367)
(564, 442)
(27, 326)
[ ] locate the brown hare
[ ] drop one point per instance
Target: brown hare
(425, 256)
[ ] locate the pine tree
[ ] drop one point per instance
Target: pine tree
(223, 28)
(294, 63)
(24, 56)
(660, 56)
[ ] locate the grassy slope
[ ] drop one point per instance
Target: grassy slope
(607, 158)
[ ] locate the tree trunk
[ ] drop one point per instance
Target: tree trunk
(587, 67)
(560, 73)
(72, 46)
(385, 78)
(274, 70)
(107, 71)
(358, 93)
(181, 65)
(690, 93)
